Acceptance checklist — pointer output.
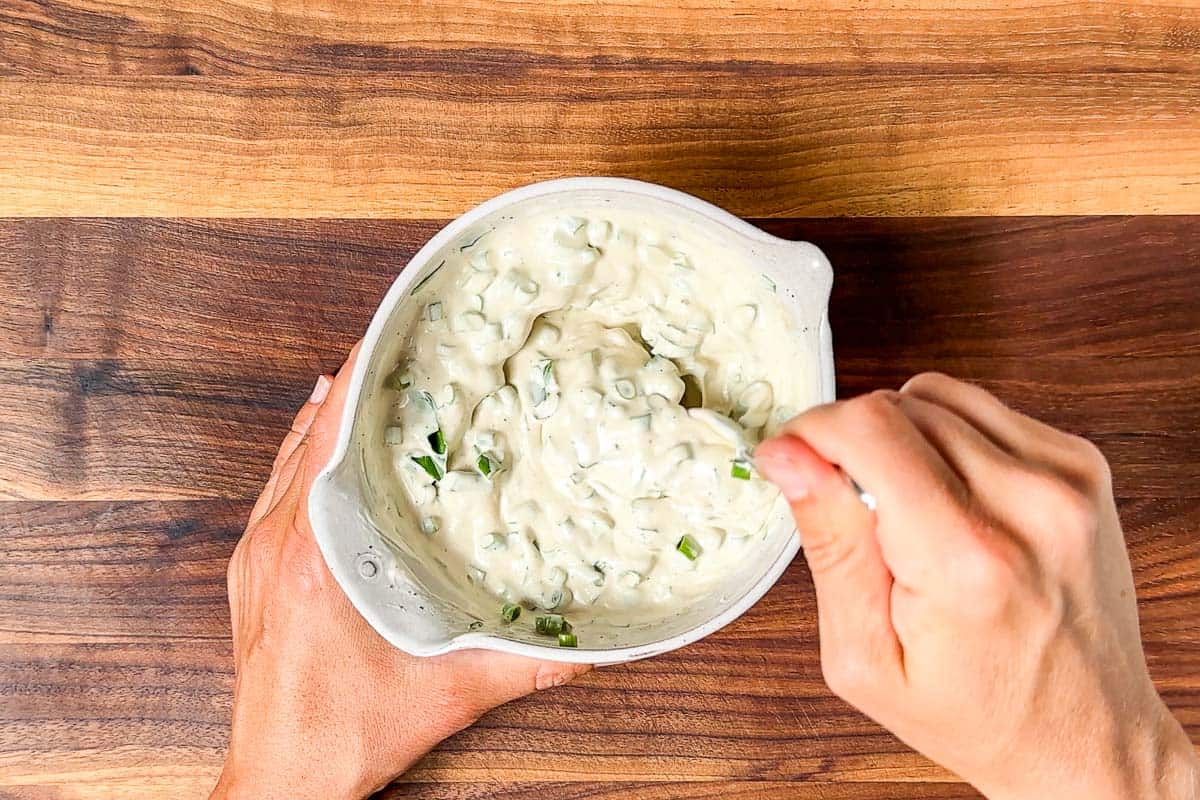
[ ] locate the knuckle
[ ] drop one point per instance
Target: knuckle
(928, 382)
(303, 566)
(826, 553)
(233, 570)
(551, 674)
(1077, 523)
(1076, 511)
(988, 577)
(1072, 513)
(873, 411)
(259, 550)
(253, 557)
(1097, 472)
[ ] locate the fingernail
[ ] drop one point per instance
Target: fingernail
(782, 471)
(321, 390)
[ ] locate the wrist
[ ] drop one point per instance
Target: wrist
(1174, 765)
(1146, 755)
(243, 782)
(264, 764)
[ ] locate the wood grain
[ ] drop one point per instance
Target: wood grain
(431, 145)
(113, 343)
(149, 366)
(116, 654)
(139, 429)
(148, 369)
(695, 790)
(102, 37)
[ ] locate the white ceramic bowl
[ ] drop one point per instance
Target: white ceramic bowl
(416, 605)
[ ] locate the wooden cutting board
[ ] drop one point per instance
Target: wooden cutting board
(203, 202)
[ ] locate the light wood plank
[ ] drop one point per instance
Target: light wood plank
(433, 145)
(171, 37)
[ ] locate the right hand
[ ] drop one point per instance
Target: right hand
(985, 613)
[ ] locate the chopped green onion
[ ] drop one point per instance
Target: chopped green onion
(399, 379)
(429, 465)
(435, 312)
(740, 470)
(549, 625)
(509, 612)
(547, 370)
(437, 440)
(689, 547)
(566, 639)
(484, 464)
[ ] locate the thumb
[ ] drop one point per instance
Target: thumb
(853, 583)
(486, 679)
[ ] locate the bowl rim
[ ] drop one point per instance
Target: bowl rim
(343, 571)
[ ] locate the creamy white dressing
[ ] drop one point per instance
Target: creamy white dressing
(576, 408)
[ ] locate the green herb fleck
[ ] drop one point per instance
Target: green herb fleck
(567, 640)
(429, 465)
(509, 612)
(484, 464)
(689, 547)
(740, 470)
(437, 440)
(549, 625)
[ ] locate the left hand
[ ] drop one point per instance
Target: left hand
(323, 706)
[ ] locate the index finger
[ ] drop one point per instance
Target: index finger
(323, 433)
(877, 445)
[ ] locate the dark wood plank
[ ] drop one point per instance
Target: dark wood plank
(118, 430)
(430, 145)
(74, 37)
(146, 429)
(242, 292)
(100, 571)
(110, 572)
(299, 290)
(1027, 287)
(143, 358)
(89, 572)
(115, 657)
(128, 368)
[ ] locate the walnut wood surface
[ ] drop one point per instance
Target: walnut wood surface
(150, 367)
(253, 37)
(151, 356)
(431, 145)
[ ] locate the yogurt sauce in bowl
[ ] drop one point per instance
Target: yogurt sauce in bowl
(573, 409)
